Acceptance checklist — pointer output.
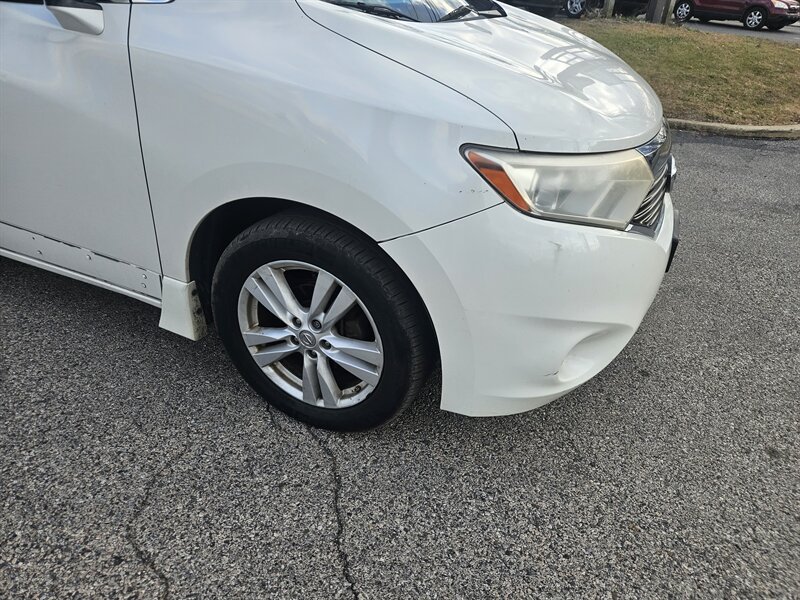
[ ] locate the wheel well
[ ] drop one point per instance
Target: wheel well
(218, 229)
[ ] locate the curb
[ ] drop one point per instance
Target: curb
(775, 132)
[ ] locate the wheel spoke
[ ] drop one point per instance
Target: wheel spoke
(267, 299)
(331, 394)
(365, 351)
(277, 284)
(265, 335)
(340, 307)
(274, 353)
(311, 391)
(363, 370)
(324, 288)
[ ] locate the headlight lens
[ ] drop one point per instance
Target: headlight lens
(779, 4)
(595, 189)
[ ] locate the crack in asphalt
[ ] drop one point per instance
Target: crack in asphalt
(337, 488)
(274, 421)
(344, 558)
(145, 557)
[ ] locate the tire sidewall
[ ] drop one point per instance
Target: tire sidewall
(241, 260)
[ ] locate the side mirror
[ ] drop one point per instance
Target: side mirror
(83, 16)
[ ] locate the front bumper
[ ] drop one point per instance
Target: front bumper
(783, 19)
(526, 310)
(781, 16)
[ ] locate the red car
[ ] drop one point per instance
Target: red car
(754, 14)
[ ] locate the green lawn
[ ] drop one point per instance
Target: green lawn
(707, 76)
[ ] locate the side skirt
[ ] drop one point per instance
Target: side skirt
(78, 276)
(181, 312)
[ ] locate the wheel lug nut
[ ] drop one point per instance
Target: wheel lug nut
(297, 323)
(294, 340)
(325, 344)
(316, 324)
(312, 354)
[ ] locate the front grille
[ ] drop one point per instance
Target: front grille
(658, 154)
(650, 210)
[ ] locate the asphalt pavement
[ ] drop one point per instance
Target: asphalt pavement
(789, 34)
(136, 464)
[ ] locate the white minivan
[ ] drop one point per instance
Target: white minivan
(351, 192)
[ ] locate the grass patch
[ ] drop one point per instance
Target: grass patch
(707, 76)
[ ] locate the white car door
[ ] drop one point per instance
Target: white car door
(73, 191)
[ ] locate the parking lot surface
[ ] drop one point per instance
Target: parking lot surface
(136, 464)
(789, 34)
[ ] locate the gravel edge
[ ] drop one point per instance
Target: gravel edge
(781, 132)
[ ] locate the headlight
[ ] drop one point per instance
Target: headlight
(594, 189)
(779, 4)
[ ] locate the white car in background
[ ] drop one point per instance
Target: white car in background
(352, 192)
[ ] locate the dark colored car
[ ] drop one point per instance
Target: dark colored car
(546, 8)
(575, 8)
(754, 14)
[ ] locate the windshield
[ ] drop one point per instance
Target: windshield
(428, 11)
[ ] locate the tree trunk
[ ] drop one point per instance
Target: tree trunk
(658, 11)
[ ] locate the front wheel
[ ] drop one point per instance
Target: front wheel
(575, 8)
(320, 322)
(683, 11)
(755, 18)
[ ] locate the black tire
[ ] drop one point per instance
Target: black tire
(755, 18)
(683, 11)
(574, 9)
(775, 27)
(398, 313)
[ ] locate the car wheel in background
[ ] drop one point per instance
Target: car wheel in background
(320, 322)
(775, 27)
(703, 19)
(683, 11)
(755, 18)
(575, 8)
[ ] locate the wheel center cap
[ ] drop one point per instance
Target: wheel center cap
(307, 339)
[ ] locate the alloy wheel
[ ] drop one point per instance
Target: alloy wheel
(310, 334)
(683, 11)
(576, 7)
(754, 19)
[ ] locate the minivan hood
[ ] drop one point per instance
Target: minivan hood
(555, 88)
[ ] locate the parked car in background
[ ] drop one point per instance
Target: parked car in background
(351, 192)
(574, 9)
(545, 8)
(754, 14)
